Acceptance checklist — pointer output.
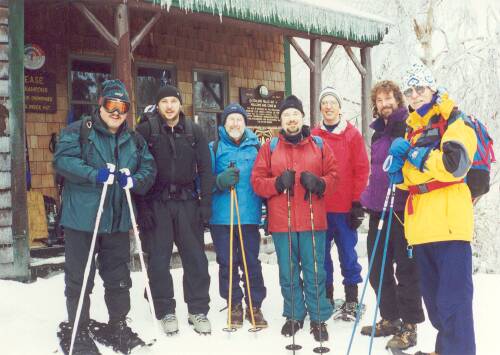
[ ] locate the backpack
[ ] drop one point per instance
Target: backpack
(478, 176)
(85, 128)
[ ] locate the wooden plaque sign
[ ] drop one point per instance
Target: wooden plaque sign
(40, 92)
(262, 112)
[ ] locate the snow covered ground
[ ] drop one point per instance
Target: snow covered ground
(30, 313)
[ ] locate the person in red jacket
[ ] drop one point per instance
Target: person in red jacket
(296, 165)
(344, 211)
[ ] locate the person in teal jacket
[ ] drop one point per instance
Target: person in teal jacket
(83, 164)
(233, 156)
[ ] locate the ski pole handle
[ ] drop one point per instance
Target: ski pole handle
(111, 177)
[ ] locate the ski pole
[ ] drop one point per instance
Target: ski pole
(384, 257)
(109, 181)
(230, 327)
(372, 258)
(292, 346)
(141, 254)
(320, 349)
(245, 268)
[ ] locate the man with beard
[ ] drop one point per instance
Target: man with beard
(400, 298)
(289, 171)
(344, 211)
(174, 211)
(233, 156)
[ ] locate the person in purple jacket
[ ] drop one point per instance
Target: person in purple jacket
(401, 301)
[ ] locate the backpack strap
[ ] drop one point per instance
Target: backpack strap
(273, 144)
(85, 128)
(318, 141)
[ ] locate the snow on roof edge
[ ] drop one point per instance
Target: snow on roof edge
(303, 15)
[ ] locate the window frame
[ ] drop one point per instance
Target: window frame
(225, 88)
(143, 64)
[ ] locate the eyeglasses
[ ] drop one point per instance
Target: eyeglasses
(418, 89)
(293, 114)
(112, 105)
(331, 103)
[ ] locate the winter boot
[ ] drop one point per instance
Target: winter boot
(291, 327)
(383, 328)
(83, 345)
(260, 322)
(122, 338)
(405, 338)
(237, 316)
(319, 331)
(169, 324)
(200, 323)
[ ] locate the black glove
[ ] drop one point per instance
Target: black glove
(205, 214)
(285, 181)
(312, 184)
(146, 220)
(228, 178)
(356, 215)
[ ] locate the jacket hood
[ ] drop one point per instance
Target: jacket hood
(400, 115)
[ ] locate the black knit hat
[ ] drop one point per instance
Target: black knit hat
(291, 101)
(168, 91)
(233, 108)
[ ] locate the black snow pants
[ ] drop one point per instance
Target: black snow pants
(177, 221)
(113, 256)
(401, 296)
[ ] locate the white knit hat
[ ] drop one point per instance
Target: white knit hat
(329, 91)
(418, 75)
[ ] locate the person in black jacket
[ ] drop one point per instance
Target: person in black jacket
(176, 210)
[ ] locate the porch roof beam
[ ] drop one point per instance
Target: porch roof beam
(145, 30)
(327, 56)
(103, 31)
(301, 53)
(355, 60)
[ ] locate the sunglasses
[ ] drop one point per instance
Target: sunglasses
(112, 105)
(418, 89)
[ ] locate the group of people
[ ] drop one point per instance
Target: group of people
(316, 184)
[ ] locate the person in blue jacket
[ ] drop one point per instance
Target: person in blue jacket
(233, 156)
(81, 157)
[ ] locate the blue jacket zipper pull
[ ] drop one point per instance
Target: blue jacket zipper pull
(409, 251)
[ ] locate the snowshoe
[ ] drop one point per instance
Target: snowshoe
(117, 335)
(83, 345)
(291, 327)
(319, 331)
(169, 324)
(383, 328)
(200, 323)
(349, 311)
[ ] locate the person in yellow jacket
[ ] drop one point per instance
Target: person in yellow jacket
(431, 163)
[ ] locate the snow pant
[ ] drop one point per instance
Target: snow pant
(304, 290)
(251, 242)
(401, 296)
(446, 285)
(113, 256)
(346, 239)
(177, 221)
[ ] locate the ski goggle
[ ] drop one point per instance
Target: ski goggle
(112, 105)
(418, 89)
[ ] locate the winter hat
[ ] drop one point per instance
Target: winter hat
(291, 101)
(330, 91)
(418, 75)
(233, 108)
(168, 91)
(115, 89)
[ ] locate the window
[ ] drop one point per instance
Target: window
(209, 98)
(148, 81)
(87, 76)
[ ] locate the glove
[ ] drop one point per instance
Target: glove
(146, 220)
(418, 156)
(124, 179)
(228, 178)
(102, 175)
(285, 181)
(312, 184)
(392, 166)
(205, 214)
(399, 148)
(356, 215)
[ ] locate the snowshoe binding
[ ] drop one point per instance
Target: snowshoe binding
(117, 335)
(348, 311)
(83, 345)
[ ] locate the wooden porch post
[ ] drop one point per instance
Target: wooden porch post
(366, 86)
(123, 57)
(315, 80)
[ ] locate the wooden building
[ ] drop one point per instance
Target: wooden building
(216, 52)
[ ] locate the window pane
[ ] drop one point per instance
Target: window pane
(80, 110)
(208, 123)
(209, 91)
(149, 81)
(87, 78)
